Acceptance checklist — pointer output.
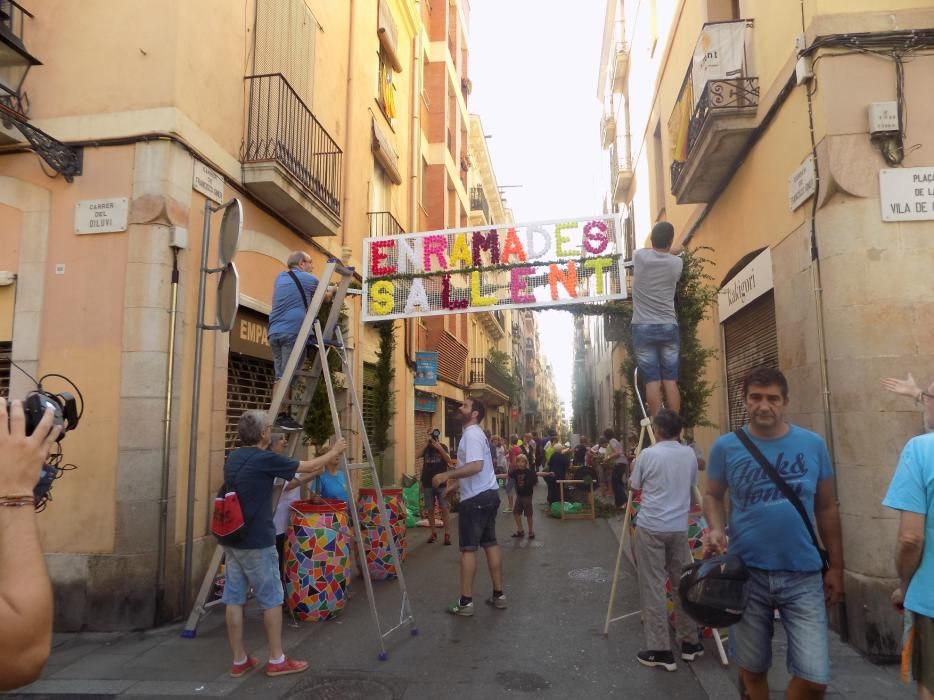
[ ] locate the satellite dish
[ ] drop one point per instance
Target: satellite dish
(231, 228)
(228, 296)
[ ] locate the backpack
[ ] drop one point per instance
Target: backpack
(227, 522)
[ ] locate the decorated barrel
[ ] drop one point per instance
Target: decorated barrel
(317, 562)
(375, 537)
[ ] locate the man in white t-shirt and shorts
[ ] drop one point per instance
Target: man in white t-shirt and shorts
(478, 508)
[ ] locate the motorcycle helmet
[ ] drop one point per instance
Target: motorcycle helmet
(714, 591)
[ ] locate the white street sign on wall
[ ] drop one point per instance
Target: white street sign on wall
(208, 182)
(101, 215)
(907, 194)
(802, 184)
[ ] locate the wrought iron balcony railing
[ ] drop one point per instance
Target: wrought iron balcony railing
(478, 201)
(719, 96)
(383, 223)
(482, 371)
(281, 128)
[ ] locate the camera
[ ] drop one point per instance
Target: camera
(64, 409)
(436, 434)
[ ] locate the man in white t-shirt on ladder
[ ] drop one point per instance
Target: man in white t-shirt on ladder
(479, 505)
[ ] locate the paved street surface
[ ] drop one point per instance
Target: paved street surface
(548, 644)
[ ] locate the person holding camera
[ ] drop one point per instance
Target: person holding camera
(25, 588)
(435, 460)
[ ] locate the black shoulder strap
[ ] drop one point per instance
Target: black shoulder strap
(301, 289)
(239, 469)
(779, 482)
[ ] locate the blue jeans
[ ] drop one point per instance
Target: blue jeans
(799, 598)
(657, 349)
(256, 568)
(433, 495)
(281, 345)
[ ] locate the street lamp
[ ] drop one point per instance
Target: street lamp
(15, 60)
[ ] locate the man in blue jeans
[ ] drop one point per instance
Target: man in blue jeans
(770, 536)
(291, 296)
(253, 562)
(655, 338)
(477, 510)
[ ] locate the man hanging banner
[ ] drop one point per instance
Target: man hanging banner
(493, 267)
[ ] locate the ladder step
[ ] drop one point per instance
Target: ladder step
(294, 402)
(360, 465)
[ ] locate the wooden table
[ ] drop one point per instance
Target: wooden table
(583, 514)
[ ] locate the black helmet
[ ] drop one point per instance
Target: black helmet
(714, 591)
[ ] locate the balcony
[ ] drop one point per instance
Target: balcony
(289, 160)
(382, 223)
(620, 67)
(489, 383)
(478, 203)
(621, 173)
(711, 131)
(15, 64)
(494, 323)
(608, 130)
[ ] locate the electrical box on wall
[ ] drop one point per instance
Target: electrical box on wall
(883, 117)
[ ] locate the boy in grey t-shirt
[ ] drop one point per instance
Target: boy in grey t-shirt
(655, 337)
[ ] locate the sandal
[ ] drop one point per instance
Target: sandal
(519, 533)
(531, 535)
(433, 538)
(447, 539)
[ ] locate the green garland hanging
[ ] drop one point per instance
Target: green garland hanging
(383, 394)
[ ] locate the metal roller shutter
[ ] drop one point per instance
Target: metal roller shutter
(249, 386)
(751, 340)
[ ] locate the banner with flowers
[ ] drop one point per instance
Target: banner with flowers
(542, 264)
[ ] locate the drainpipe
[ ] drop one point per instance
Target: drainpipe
(411, 324)
(166, 439)
(348, 130)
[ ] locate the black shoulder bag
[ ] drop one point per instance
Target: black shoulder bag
(787, 491)
(301, 289)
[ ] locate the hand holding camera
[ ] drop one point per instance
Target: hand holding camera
(24, 450)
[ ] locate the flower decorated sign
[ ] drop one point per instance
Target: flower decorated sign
(493, 267)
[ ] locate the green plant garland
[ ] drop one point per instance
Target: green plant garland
(383, 394)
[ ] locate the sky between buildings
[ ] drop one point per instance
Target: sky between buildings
(533, 64)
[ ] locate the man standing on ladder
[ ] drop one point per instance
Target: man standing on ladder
(655, 337)
(291, 295)
(253, 562)
(478, 508)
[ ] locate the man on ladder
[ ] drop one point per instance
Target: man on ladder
(253, 561)
(655, 335)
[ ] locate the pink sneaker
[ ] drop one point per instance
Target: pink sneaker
(286, 667)
(237, 670)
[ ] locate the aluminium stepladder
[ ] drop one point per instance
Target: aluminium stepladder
(311, 378)
(646, 430)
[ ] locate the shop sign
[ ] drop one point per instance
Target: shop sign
(101, 215)
(248, 335)
(907, 194)
(426, 368)
(752, 282)
(208, 182)
(428, 403)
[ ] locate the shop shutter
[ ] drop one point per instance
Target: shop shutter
(6, 353)
(249, 386)
(751, 340)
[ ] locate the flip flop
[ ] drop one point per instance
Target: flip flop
(519, 533)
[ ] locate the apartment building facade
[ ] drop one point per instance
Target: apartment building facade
(788, 139)
(330, 122)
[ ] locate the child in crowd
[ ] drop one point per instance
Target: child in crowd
(525, 479)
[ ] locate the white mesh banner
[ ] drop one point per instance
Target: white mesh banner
(493, 267)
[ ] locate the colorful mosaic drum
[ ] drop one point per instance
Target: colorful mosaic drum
(376, 546)
(317, 560)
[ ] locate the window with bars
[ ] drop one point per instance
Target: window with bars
(249, 386)
(6, 352)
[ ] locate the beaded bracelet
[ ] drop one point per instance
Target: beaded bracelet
(13, 501)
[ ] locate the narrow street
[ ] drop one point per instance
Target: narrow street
(548, 643)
